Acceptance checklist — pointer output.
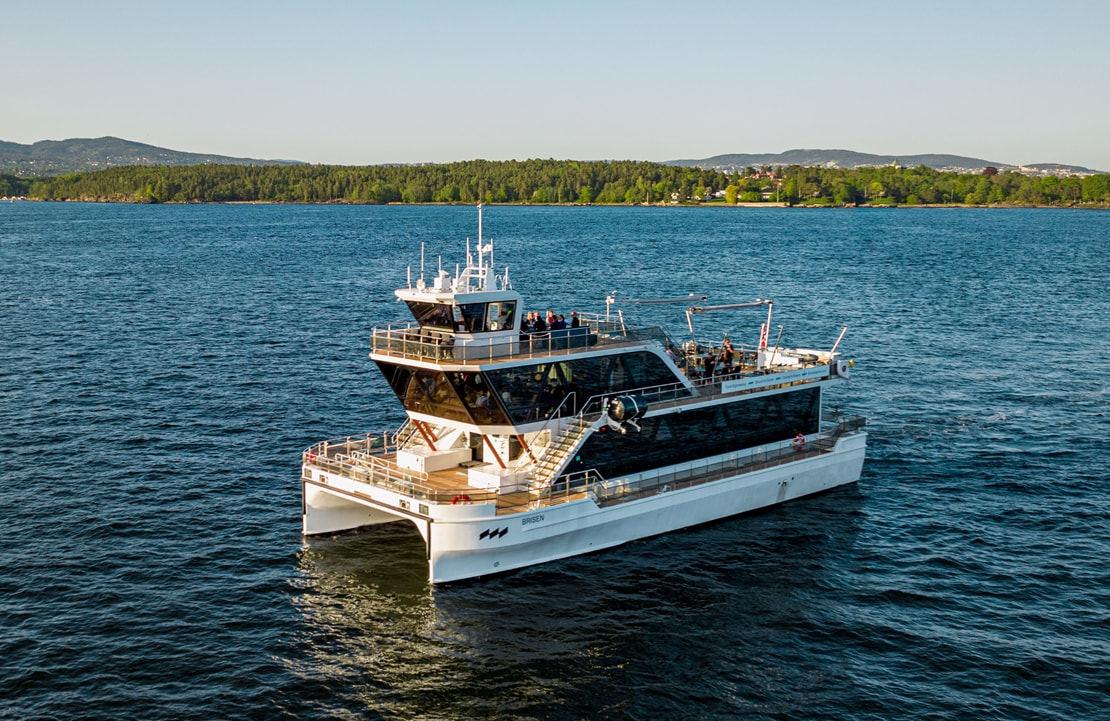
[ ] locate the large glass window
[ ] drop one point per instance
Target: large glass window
(500, 316)
(525, 394)
(464, 317)
(431, 315)
(480, 400)
(425, 391)
(472, 316)
(534, 392)
(694, 434)
(459, 396)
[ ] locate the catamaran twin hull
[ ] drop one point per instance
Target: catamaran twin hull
(466, 539)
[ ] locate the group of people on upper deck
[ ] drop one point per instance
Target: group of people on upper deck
(536, 323)
(720, 364)
(714, 362)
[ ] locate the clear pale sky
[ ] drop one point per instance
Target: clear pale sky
(357, 83)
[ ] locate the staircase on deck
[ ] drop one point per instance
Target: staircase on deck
(559, 450)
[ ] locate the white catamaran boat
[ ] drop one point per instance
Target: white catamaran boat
(523, 447)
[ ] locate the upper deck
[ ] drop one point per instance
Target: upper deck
(694, 358)
(411, 341)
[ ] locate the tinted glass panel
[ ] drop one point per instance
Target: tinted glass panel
(425, 391)
(481, 402)
(472, 316)
(464, 318)
(457, 395)
(694, 434)
(431, 315)
(533, 392)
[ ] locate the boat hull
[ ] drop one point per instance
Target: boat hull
(470, 541)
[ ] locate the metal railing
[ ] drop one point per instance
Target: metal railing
(566, 488)
(623, 490)
(401, 437)
(560, 447)
(555, 415)
(360, 458)
(411, 341)
(607, 492)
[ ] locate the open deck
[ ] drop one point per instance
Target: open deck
(364, 459)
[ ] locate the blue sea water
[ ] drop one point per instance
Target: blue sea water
(163, 367)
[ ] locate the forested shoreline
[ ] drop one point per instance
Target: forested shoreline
(559, 182)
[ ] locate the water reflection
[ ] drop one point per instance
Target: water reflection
(644, 630)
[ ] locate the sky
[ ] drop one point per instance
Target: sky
(363, 83)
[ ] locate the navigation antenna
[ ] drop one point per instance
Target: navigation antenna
(776, 350)
(483, 270)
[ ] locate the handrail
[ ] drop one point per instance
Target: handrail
(412, 341)
(555, 413)
(571, 483)
(681, 392)
(622, 490)
(405, 432)
(607, 492)
(361, 459)
(581, 426)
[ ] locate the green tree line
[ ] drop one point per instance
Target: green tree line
(530, 181)
(556, 181)
(926, 186)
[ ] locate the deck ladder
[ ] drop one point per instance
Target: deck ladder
(560, 449)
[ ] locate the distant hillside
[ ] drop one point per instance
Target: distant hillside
(1058, 169)
(852, 159)
(77, 155)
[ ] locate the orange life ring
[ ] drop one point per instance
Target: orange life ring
(310, 457)
(461, 498)
(799, 442)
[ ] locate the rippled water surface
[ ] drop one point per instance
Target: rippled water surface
(163, 367)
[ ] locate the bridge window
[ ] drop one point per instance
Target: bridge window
(463, 317)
